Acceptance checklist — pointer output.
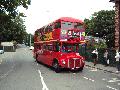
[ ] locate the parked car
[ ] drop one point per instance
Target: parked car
(1, 51)
(31, 48)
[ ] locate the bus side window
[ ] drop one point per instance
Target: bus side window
(57, 25)
(50, 28)
(43, 29)
(44, 47)
(50, 47)
(38, 46)
(57, 47)
(46, 29)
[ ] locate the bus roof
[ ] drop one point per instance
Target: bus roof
(69, 19)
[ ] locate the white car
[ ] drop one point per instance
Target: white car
(1, 51)
(31, 48)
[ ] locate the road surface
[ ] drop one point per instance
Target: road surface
(19, 71)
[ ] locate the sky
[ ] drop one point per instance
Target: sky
(42, 12)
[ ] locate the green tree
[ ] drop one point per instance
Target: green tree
(27, 39)
(89, 26)
(102, 24)
(10, 6)
(11, 23)
(12, 29)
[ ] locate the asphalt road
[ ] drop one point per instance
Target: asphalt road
(19, 71)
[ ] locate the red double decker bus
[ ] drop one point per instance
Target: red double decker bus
(57, 44)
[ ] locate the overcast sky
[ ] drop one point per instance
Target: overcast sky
(42, 12)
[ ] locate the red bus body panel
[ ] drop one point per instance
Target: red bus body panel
(66, 60)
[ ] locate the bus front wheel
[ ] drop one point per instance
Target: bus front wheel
(56, 66)
(80, 69)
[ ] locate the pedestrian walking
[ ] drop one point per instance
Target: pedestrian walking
(95, 56)
(117, 60)
(106, 58)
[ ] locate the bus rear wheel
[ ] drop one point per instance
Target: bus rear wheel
(36, 58)
(56, 66)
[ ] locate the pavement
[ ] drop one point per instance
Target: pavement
(103, 67)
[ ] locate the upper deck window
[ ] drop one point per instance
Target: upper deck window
(57, 25)
(78, 26)
(48, 28)
(71, 25)
(67, 25)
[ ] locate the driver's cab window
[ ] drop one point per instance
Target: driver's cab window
(44, 47)
(69, 47)
(50, 47)
(56, 47)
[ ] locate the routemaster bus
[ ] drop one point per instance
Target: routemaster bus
(57, 44)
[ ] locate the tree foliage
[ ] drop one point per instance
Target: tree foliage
(12, 26)
(102, 24)
(29, 38)
(12, 29)
(10, 6)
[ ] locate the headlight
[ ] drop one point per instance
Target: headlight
(63, 61)
(77, 54)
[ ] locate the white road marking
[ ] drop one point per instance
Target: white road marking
(88, 67)
(118, 83)
(94, 70)
(89, 79)
(114, 80)
(103, 79)
(85, 77)
(43, 83)
(111, 87)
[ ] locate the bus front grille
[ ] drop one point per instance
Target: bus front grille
(74, 63)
